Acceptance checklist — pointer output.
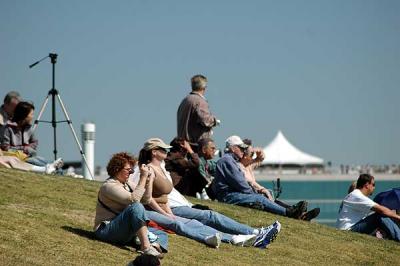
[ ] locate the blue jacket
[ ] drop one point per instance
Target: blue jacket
(229, 177)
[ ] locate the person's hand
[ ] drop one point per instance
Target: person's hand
(29, 151)
(267, 193)
(187, 146)
(146, 172)
(260, 156)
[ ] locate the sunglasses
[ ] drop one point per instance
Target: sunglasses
(162, 149)
(130, 170)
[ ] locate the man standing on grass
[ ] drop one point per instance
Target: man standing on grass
(358, 213)
(194, 118)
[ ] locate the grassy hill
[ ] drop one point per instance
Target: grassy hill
(47, 220)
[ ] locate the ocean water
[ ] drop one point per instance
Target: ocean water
(327, 195)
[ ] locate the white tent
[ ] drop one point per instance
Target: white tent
(280, 152)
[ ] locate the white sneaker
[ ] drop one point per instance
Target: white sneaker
(243, 240)
(58, 163)
(213, 241)
(50, 169)
(204, 195)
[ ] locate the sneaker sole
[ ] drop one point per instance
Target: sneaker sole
(268, 239)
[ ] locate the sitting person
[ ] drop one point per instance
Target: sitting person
(16, 163)
(183, 165)
(7, 109)
(252, 158)
(358, 213)
(230, 185)
(120, 216)
(207, 165)
(204, 226)
(18, 138)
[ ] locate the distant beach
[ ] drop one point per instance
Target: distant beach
(264, 176)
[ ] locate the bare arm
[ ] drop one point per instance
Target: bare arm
(146, 177)
(385, 211)
(154, 205)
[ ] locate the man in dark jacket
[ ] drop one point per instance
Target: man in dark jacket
(183, 163)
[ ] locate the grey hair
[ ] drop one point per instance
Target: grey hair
(199, 82)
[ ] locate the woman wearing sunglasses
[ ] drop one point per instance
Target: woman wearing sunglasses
(120, 216)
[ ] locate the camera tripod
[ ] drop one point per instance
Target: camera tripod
(55, 95)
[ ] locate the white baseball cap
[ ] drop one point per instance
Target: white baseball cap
(235, 141)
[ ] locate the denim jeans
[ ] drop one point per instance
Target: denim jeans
(189, 228)
(214, 220)
(253, 200)
(122, 229)
(373, 221)
(37, 160)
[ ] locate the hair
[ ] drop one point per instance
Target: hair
(22, 110)
(145, 156)
(352, 187)
(118, 162)
(10, 96)
(145, 260)
(176, 144)
(204, 143)
(364, 179)
(199, 82)
(248, 142)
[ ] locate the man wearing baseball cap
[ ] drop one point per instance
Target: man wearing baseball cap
(230, 185)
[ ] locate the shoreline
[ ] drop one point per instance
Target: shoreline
(260, 176)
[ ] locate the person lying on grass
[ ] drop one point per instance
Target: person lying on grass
(16, 163)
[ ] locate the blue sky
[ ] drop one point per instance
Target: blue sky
(326, 73)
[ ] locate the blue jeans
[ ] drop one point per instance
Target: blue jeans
(254, 199)
(370, 223)
(122, 229)
(214, 220)
(37, 160)
(189, 228)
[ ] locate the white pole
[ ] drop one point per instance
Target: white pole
(88, 140)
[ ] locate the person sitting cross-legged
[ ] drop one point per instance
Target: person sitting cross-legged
(120, 216)
(358, 213)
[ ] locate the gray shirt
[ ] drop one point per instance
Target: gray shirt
(194, 118)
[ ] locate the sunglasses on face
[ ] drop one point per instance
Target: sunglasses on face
(162, 149)
(129, 170)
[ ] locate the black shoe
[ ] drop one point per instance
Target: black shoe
(301, 204)
(296, 210)
(308, 216)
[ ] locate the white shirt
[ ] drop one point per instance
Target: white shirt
(175, 198)
(355, 207)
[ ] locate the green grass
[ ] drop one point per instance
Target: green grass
(47, 220)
